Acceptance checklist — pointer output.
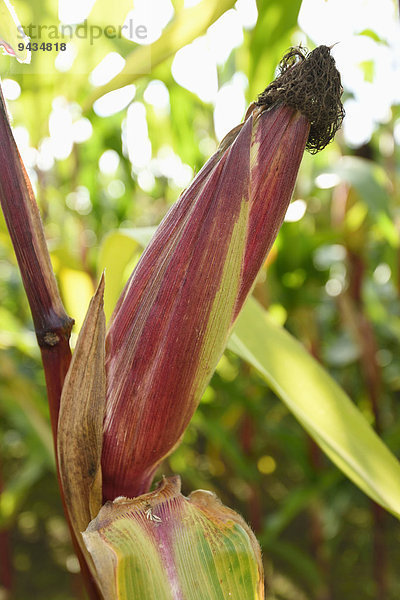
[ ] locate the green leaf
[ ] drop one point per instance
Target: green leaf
(368, 179)
(116, 253)
(319, 404)
(186, 26)
(371, 184)
(77, 291)
(269, 39)
(142, 235)
(373, 35)
(17, 489)
(20, 402)
(296, 501)
(299, 562)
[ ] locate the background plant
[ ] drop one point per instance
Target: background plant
(333, 280)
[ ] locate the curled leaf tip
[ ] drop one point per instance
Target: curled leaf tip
(310, 83)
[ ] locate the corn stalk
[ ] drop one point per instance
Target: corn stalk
(124, 401)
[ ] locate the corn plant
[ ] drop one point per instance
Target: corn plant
(120, 405)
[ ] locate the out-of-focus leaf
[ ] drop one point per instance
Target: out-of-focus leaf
(371, 183)
(79, 438)
(305, 568)
(107, 15)
(142, 235)
(116, 252)
(368, 68)
(165, 546)
(187, 25)
(342, 351)
(320, 405)
(269, 39)
(373, 35)
(388, 229)
(17, 400)
(367, 177)
(13, 334)
(229, 443)
(296, 501)
(16, 490)
(77, 290)
(104, 29)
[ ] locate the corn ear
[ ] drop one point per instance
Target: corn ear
(175, 315)
(173, 319)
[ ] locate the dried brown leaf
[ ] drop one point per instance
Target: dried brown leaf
(80, 423)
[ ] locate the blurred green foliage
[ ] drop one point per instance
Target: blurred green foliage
(332, 278)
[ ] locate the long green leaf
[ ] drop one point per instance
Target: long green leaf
(319, 404)
(187, 25)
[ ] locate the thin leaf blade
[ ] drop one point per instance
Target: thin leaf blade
(319, 404)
